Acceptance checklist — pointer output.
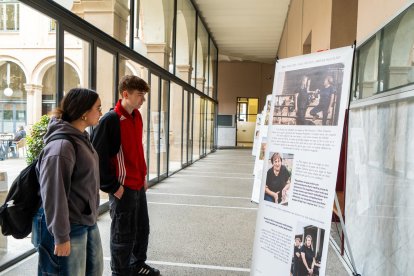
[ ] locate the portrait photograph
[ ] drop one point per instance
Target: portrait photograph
(278, 178)
(307, 252)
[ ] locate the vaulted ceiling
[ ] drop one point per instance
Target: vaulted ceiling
(245, 29)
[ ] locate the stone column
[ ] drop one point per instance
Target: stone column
(158, 53)
(199, 83)
(183, 71)
(34, 102)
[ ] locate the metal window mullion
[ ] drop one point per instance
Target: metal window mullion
(192, 126)
(149, 124)
(60, 46)
(380, 74)
(167, 131)
(195, 51)
(174, 37)
(208, 67)
(93, 64)
(159, 127)
(116, 77)
(182, 126)
(131, 23)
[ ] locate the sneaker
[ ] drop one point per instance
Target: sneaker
(147, 270)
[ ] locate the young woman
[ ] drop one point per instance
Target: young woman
(65, 232)
(308, 257)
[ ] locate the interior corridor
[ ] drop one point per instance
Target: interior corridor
(202, 221)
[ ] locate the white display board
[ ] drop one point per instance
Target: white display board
(261, 149)
(309, 99)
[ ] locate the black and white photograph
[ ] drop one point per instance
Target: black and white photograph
(310, 96)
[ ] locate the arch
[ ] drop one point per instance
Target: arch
(17, 79)
(153, 21)
(130, 66)
(5, 58)
(40, 70)
(183, 44)
(403, 41)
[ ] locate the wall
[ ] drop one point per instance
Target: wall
(331, 24)
(243, 79)
(373, 14)
(344, 22)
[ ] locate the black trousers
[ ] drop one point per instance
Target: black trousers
(129, 231)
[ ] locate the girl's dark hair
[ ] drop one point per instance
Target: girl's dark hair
(75, 103)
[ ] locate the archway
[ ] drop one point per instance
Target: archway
(13, 96)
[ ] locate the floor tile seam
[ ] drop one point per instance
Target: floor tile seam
(204, 206)
(215, 176)
(198, 195)
(190, 265)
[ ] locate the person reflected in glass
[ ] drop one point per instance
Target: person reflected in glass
(276, 179)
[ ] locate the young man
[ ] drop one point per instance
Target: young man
(118, 141)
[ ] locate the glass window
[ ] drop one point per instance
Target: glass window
(9, 15)
(368, 68)
(201, 61)
(22, 70)
(13, 96)
(212, 70)
(185, 41)
(76, 74)
(163, 126)
(397, 55)
(155, 31)
(105, 77)
(190, 132)
(52, 26)
(197, 127)
(109, 17)
(386, 61)
(176, 127)
(185, 131)
(155, 121)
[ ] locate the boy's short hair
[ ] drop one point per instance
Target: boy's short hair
(131, 82)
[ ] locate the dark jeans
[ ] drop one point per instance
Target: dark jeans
(129, 231)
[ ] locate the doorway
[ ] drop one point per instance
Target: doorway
(246, 121)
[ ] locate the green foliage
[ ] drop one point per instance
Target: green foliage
(35, 139)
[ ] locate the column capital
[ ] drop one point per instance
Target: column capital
(31, 87)
(183, 68)
(157, 48)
